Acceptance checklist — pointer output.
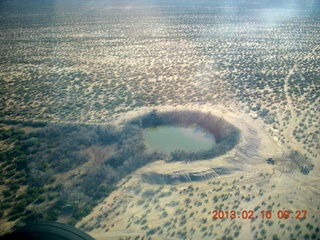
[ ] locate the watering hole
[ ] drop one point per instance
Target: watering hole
(170, 138)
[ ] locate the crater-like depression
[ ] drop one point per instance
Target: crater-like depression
(187, 135)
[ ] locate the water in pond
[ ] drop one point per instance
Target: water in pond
(170, 138)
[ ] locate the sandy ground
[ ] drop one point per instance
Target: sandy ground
(184, 210)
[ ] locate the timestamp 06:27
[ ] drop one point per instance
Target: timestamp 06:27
(250, 214)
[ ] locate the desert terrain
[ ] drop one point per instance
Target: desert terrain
(160, 201)
(97, 63)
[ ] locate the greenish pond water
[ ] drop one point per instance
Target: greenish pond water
(170, 138)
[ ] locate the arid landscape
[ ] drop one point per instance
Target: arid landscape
(87, 68)
(160, 201)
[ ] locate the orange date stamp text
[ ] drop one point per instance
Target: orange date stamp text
(250, 214)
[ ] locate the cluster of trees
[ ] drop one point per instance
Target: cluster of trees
(130, 155)
(13, 175)
(302, 161)
(35, 158)
(34, 161)
(38, 156)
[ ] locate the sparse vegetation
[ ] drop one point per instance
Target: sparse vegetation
(70, 70)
